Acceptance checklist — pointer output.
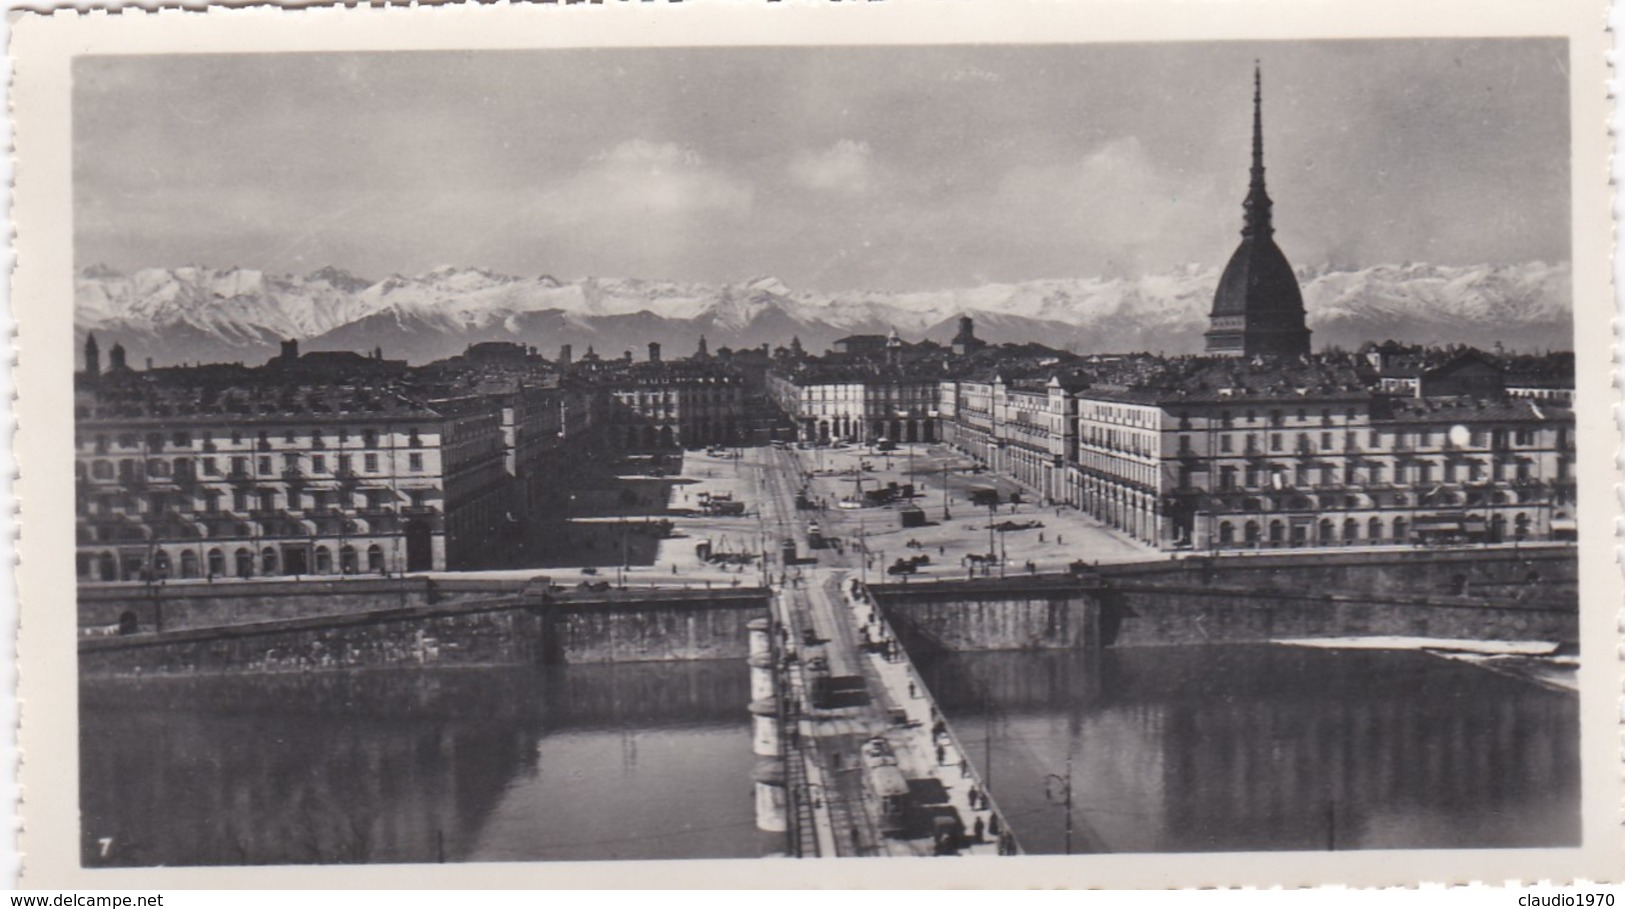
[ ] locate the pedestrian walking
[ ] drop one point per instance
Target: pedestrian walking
(993, 825)
(942, 756)
(1041, 536)
(978, 829)
(912, 691)
(974, 793)
(964, 768)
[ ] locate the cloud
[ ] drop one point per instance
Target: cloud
(845, 168)
(971, 74)
(1113, 204)
(639, 179)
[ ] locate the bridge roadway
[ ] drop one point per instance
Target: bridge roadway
(830, 809)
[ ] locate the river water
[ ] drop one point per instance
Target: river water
(1265, 747)
(636, 761)
(1236, 747)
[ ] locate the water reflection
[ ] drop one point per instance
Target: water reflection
(1253, 747)
(521, 763)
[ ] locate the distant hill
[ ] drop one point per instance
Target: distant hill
(195, 314)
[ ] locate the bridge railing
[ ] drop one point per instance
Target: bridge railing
(858, 593)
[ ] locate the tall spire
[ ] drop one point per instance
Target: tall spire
(1258, 202)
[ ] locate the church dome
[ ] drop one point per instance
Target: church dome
(1257, 280)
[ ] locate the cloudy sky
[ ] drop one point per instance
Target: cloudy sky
(831, 168)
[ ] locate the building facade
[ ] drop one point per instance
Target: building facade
(1323, 469)
(206, 477)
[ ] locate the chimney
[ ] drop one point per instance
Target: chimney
(564, 354)
(654, 351)
(290, 350)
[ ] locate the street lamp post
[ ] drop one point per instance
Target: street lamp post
(991, 513)
(945, 515)
(1065, 782)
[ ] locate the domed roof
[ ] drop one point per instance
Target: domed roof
(1257, 280)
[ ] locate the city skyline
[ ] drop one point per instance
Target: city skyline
(828, 166)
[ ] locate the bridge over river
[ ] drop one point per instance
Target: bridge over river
(856, 759)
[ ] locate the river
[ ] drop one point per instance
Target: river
(631, 761)
(1173, 749)
(1265, 747)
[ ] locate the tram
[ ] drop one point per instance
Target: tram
(887, 786)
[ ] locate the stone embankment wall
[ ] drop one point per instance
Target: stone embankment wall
(199, 604)
(1046, 612)
(1500, 594)
(1151, 615)
(1546, 572)
(605, 627)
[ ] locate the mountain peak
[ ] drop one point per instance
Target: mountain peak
(337, 278)
(769, 284)
(100, 270)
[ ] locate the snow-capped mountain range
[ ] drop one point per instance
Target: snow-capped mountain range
(194, 314)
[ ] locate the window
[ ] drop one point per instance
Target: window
(1225, 442)
(1326, 441)
(267, 500)
(210, 468)
(1327, 477)
(182, 440)
(414, 461)
(1275, 441)
(1375, 441)
(1424, 472)
(1227, 478)
(371, 462)
(318, 464)
(344, 463)
(412, 440)
(369, 438)
(239, 467)
(288, 437)
(344, 435)
(1275, 418)
(316, 440)
(236, 437)
(265, 465)
(1252, 477)
(239, 501)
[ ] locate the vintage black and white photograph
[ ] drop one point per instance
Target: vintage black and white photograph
(823, 451)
